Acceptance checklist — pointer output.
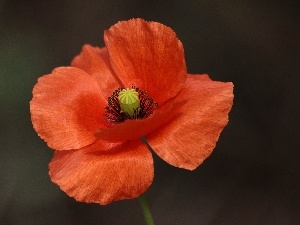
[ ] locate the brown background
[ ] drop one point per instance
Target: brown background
(252, 176)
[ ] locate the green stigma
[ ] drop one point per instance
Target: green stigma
(129, 101)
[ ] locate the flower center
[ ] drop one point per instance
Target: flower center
(129, 103)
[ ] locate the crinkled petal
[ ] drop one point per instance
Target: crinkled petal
(188, 139)
(136, 129)
(148, 55)
(102, 177)
(67, 108)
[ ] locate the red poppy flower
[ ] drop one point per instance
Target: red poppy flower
(99, 156)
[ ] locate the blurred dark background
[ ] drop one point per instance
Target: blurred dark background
(252, 177)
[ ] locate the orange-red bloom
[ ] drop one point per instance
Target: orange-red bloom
(99, 160)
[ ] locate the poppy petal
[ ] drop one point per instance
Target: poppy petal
(95, 62)
(188, 139)
(102, 177)
(66, 108)
(147, 55)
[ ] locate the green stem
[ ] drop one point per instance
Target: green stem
(146, 210)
